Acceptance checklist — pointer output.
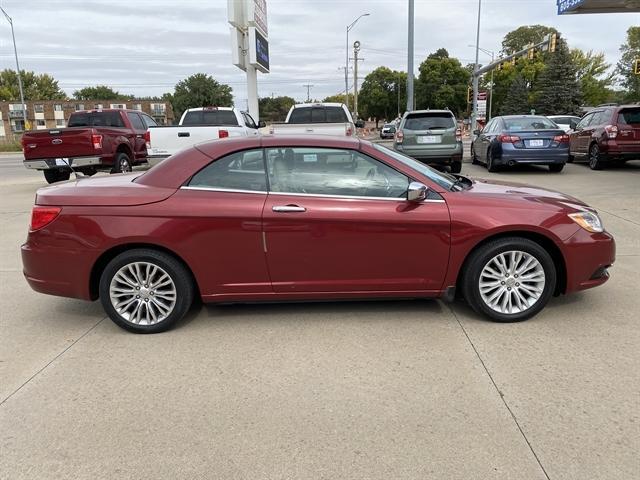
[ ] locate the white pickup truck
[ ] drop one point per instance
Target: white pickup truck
(318, 119)
(199, 125)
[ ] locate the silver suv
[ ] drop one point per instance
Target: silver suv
(431, 137)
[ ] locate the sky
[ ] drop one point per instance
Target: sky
(145, 47)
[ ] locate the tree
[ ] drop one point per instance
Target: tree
(630, 52)
(35, 86)
(340, 98)
(517, 98)
(592, 71)
(558, 89)
(519, 38)
(200, 90)
(99, 92)
(442, 83)
(378, 96)
(275, 109)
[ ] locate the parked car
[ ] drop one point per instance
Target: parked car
(565, 122)
(199, 125)
(607, 135)
(94, 140)
(388, 130)
(318, 119)
(520, 139)
(317, 218)
(431, 137)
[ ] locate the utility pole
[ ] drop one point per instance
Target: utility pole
(410, 102)
(476, 76)
(308, 85)
(356, 49)
(15, 51)
(346, 60)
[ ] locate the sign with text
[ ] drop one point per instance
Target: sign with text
(258, 50)
(257, 15)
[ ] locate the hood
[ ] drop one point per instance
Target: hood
(526, 195)
(112, 190)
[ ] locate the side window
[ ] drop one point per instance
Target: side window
(489, 126)
(149, 122)
(585, 120)
(248, 120)
(237, 171)
(136, 122)
(327, 171)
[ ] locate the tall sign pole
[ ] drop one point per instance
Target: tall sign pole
(15, 51)
(250, 44)
(476, 76)
(356, 50)
(410, 102)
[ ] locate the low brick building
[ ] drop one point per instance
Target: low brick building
(43, 114)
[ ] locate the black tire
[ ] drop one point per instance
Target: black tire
(491, 166)
(122, 164)
(182, 281)
(53, 176)
(482, 256)
(570, 159)
(456, 166)
(556, 167)
(474, 157)
(595, 160)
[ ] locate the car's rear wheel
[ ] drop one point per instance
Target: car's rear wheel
(491, 164)
(509, 279)
(556, 167)
(456, 166)
(53, 176)
(123, 164)
(146, 291)
(595, 159)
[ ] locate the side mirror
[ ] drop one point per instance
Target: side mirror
(477, 132)
(262, 124)
(416, 192)
(359, 123)
(573, 124)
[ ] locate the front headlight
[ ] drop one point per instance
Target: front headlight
(589, 221)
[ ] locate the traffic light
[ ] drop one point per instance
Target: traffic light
(636, 66)
(553, 42)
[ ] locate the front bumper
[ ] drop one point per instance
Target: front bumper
(53, 163)
(588, 257)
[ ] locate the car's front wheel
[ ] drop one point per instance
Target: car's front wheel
(509, 279)
(146, 291)
(456, 166)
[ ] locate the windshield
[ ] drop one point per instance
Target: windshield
(443, 179)
(96, 119)
(529, 123)
(429, 121)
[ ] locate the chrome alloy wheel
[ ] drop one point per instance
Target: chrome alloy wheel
(512, 282)
(142, 293)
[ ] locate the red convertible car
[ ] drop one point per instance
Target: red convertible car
(286, 218)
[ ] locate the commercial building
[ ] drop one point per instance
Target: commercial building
(43, 114)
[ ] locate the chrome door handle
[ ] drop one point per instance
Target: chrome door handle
(288, 208)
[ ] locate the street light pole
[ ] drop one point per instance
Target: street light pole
(474, 116)
(410, 102)
(15, 51)
(493, 58)
(346, 60)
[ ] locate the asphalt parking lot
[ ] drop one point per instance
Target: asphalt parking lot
(375, 390)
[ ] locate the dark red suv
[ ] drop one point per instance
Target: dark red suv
(606, 135)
